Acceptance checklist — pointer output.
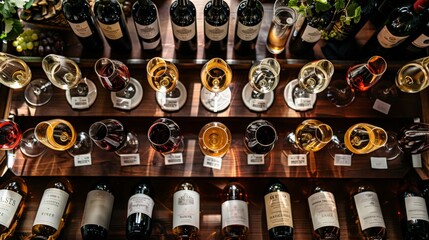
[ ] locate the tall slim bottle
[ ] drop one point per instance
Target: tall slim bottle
(184, 24)
(248, 24)
(145, 15)
(414, 214)
(186, 211)
(216, 25)
(53, 210)
(235, 212)
(12, 197)
(97, 212)
(111, 19)
(139, 214)
(79, 15)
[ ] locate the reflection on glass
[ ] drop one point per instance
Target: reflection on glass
(108, 134)
(260, 137)
(14, 72)
(413, 76)
(10, 135)
(57, 134)
(165, 136)
(83, 145)
(414, 138)
(363, 138)
(214, 139)
(29, 144)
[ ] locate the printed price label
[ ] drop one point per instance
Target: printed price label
(80, 102)
(378, 162)
(303, 102)
(82, 160)
(130, 159)
(259, 104)
(297, 160)
(417, 160)
(343, 160)
(173, 158)
(212, 162)
(255, 159)
(171, 104)
(122, 103)
(381, 106)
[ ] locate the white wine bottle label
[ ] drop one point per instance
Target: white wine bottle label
(248, 33)
(184, 33)
(416, 208)
(140, 203)
(368, 209)
(323, 210)
(51, 208)
(421, 41)
(148, 31)
(216, 33)
(311, 34)
(186, 208)
(387, 39)
(235, 212)
(111, 31)
(9, 202)
(278, 209)
(98, 208)
(81, 29)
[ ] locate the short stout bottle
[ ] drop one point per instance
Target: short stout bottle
(186, 211)
(415, 220)
(139, 213)
(53, 210)
(216, 25)
(324, 216)
(97, 212)
(12, 197)
(146, 20)
(111, 19)
(184, 24)
(79, 15)
(249, 19)
(235, 212)
(278, 211)
(367, 213)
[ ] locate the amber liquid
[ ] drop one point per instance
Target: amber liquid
(214, 139)
(280, 29)
(312, 135)
(57, 134)
(216, 75)
(163, 76)
(363, 138)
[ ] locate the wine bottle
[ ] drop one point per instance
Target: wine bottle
(278, 211)
(323, 211)
(53, 210)
(367, 213)
(145, 15)
(378, 19)
(81, 20)
(415, 223)
(299, 19)
(186, 211)
(111, 19)
(249, 19)
(184, 24)
(97, 212)
(139, 214)
(416, 45)
(12, 197)
(235, 213)
(216, 25)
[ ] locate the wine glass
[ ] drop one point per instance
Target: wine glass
(414, 139)
(56, 134)
(108, 134)
(360, 77)
(413, 76)
(214, 139)
(126, 92)
(29, 144)
(260, 137)
(82, 145)
(264, 76)
(10, 135)
(163, 77)
(313, 78)
(165, 136)
(216, 76)
(364, 138)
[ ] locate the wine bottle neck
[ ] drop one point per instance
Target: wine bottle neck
(183, 2)
(217, 3)
(420, 5)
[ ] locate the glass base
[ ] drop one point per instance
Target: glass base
(174, 100)
(38, 92)
(385, 91)
(82, 96)
(337, 146)
(83, 145)
(298, 99)
(128, 98)
(290, 146)
(131, 145)
(340, 93)
(257, 102)
(215, 102)
(30, 146)
(391, 149)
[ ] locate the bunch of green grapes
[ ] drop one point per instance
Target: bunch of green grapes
(27, 40)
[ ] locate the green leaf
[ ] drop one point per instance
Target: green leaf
(322, 5)
(339, 4)
(13, 27)
(293, 3)
(357, 14)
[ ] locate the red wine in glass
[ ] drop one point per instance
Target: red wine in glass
(10, 135)
(364, 76)
(108, 134)
(260, 137)
(414, 139)
(114, 75)
(165, 136)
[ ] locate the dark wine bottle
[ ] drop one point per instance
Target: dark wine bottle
(415, 219)
(417, 44)
(367, 213)
(184, 24)
(378, 19)
(139, 214)
(53, 210)
(216, 25)
(81, 20)
(186, 211)
(324, 216)
(299, 20)
(278, 211)
(111, 19)
(97, 212)
(12, 197)
(249, 19)
(235, 212)
(145, 15)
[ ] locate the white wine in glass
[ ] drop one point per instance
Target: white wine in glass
(14, 72)
(315, 76)
(413, 77)
(57, 134)
(214, 139)
(363, 138)
(63, 72)
(312, 135)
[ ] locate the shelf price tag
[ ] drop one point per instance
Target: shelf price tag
(303, 103)
(212, 162)
(343, 160)
(80, 102)
(259, 104)
(378, 162)
(417, 160)
(171, 104)
(82, 160)
(255, 159)
(297, 159)
(130, 159)
(173, 158)
(381, 106)
(122, 103)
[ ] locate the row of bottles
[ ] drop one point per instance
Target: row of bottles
(54, 209)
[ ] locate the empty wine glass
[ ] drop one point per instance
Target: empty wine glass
(260, 137)
(29, 144)
(109, 134)
(414, 139)
(364, 138)
(216, 76)
(82, 145)
(165, 136)
(264, 76)
(337, 145)
(214, 139)
(56, 134)
(163, 77)
(10, 135)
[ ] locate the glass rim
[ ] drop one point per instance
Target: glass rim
(224, 129)
(223, 62)
(157, 59)
(384, 64)
(99, 61)
(288, 9)
(91, 129)
(150, 130)
(50, 141)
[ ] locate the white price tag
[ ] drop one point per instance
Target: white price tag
(212, 162)
(417, 160)
(343, 160)
(80, 102)
(378, 162)
(255, 159)
(173, 158)
(381, 106)
(122, 103)
(171, 104)
(130, 159)
(82, 160)
(297, 159)
(303, 102)
(258, 104)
